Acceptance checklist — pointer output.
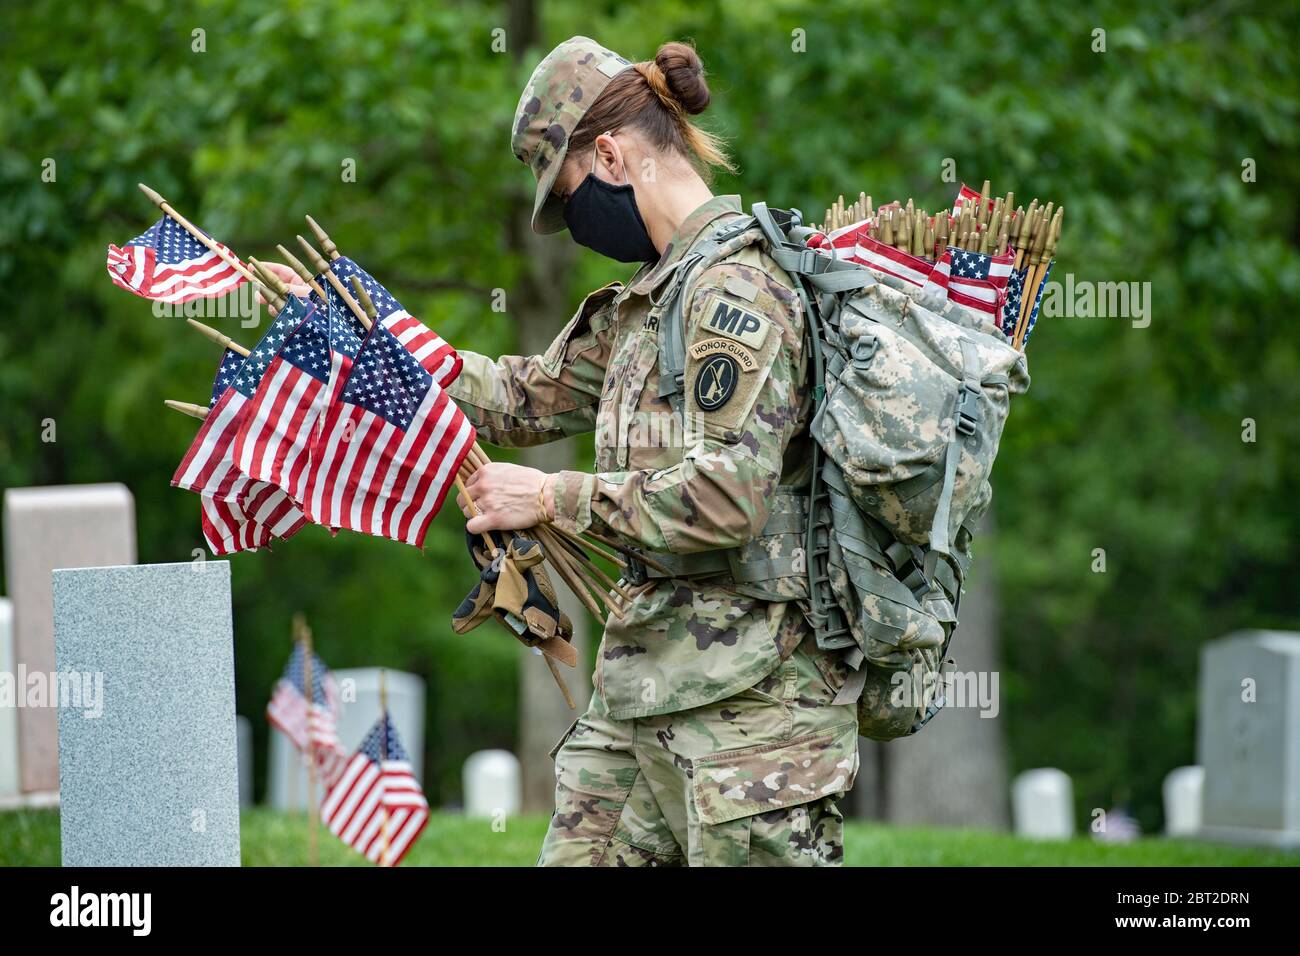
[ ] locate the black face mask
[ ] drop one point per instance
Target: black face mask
(604, 218)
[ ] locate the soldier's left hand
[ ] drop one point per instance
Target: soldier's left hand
(506, 496)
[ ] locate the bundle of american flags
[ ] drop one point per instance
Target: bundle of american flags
(987, 255)
(324, 420)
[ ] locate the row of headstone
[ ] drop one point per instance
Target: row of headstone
(159, 639)
(1043, 806)
(1246, 786)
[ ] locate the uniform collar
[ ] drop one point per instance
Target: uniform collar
(692, 227)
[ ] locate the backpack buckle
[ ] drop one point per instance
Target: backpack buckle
(808, 261)
(635, 573)
(968, 410)
(863, 350)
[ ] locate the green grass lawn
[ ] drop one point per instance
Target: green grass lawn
(270, 838)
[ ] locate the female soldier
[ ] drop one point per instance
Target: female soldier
(711, 738)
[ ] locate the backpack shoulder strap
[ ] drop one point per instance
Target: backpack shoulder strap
(724, 240)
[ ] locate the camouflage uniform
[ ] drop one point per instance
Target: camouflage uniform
(711, 737)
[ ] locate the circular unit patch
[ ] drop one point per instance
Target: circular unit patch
(716, 382)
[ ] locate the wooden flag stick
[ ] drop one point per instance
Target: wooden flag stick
(225, 341)
(559, 680)
(591, 575)
(302, 636)
(364, 298)
(303, 272)
(200, 235)
(325, 241)
(480, 458)
(320, 265)
(572, 577)
(473, 512)
(272, 282)
(572, 551)
(187, 408)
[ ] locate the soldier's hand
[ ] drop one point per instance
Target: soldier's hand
(288, 277)
(506, 496)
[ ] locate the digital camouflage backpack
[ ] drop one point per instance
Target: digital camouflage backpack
(911, 393)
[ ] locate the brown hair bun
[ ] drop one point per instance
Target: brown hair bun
(684, 74)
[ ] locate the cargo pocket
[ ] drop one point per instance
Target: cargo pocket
(730, 787)
(563, 739)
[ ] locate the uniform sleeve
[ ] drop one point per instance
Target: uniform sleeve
(527, 400)
(745, 397)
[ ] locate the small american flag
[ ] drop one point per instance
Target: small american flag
(376, 805)
(277, 431)
(1011, 308)
(964, 195)
(435, 356)
(227, 530)
(167, 264)
(854, 244)
(389, 448)
(972, 279)
(288, 710)
(257, 512)
(209, 466)
(260, 514)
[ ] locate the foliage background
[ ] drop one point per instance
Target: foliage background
(1130, 440)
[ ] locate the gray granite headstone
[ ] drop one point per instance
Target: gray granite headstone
(153, 780)
(287, 784)
(1248, 738)
(65, 526)
(8, 711)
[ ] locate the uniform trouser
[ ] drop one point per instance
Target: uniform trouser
(752, 780)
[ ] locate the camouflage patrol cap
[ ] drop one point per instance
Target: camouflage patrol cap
(557, 96)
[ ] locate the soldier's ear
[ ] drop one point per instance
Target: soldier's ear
(608, 163)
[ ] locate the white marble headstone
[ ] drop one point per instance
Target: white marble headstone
(1182, 796)
(148, 771)
(9, 779)
(1248, 738)
(1042, 802)
(492, 784)
(63, 526)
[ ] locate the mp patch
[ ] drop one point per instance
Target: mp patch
(727, 318)
(716, 382)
